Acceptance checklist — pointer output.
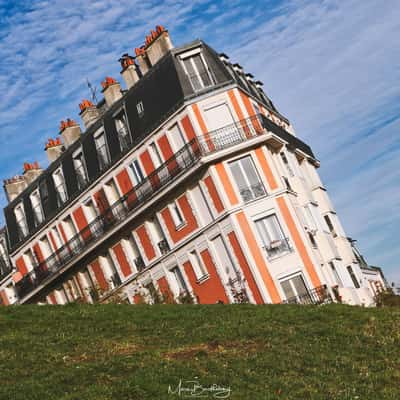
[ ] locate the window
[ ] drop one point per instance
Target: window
(124, 137)
(136, 172)
(80, 169)
(286, 164)
(102, 152)
(176, 215)
(176, 137)
(21, 221)
(353, 277)
(271, 235)
(197, 264)
(330, 225)
(312, 240)
(247, 179)
(295, 290)
(335, 273)
(155, 155)
(59, 184)
(38, 215)
(197, 71)
(140, 108)
(32, 262)
(179, 279)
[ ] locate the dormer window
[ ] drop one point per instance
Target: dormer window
(38, 214)
(61, 190)
(140, 108)
(21, 221)
(102, 151)
(124, 137)
(196, 69)
(80, 169)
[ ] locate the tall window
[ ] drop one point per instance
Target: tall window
(21, 221)
(155, 155)
(286, 164)
(102, 151)
(353, 277)
(136, 172)
(59, 184)
(295, 289)
(176, 215)
(335, 273)
(197, 264)
(179, 279)
(38, 215)
(197, 71)
(330, 225)
(247, 179)
(271, 235)
(124, 137)
(80, 169)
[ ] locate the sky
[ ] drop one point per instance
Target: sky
(331, 67)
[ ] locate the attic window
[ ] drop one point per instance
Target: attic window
(140, 108)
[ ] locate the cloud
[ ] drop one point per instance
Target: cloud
(330, 66)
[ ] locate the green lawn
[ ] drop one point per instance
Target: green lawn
(127, 352)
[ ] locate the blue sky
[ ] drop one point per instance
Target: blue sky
(332, 67)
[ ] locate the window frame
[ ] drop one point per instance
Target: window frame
(238, 161)
(36, 195)
(59, 173)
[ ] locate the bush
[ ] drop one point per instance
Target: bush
(387, 299)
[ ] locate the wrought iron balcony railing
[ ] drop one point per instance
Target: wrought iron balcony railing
(183, 160)
(318, 295)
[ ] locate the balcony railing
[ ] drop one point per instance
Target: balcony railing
(277, 247)
(318, 295)
(184, 159)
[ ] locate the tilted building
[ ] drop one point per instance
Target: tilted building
(187, 186)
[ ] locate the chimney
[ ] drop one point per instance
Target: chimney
(54, 148)
(141, 57)
(89, 113)
(111, 90)
(31, 171)
(157, 44)
(70, 131)
(14, 186)
(129, 70)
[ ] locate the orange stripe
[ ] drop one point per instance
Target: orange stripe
(235, 104)
(199, 118)
(212, 190)
(301, 248)
(266, 168)
(203, 126)
(250, 111)
(258, 257)
(146, 242)
(226, 183)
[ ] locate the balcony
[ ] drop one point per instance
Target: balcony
(318, 295)
(181, 162)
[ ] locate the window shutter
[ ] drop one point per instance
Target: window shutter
(112, 137)
(29, 213)
(12, 230)
(70, 176)
(90, 154)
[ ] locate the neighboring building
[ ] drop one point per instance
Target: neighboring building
(190, 184)
(7, 290)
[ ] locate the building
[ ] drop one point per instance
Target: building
(187, 186)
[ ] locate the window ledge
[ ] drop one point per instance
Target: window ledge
(203, 279)
(180, 226)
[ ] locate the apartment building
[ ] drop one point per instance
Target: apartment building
(187, 185)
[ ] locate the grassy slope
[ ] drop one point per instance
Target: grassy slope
(134, 352)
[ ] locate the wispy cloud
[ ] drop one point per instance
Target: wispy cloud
(332, 67)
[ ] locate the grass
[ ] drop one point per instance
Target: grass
(104, 352)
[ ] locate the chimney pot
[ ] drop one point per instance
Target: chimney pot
(70, 131)
(111, 90)
(158, 43)
(54, 149)
(31, 171)
(89, 113)
(129, 70)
